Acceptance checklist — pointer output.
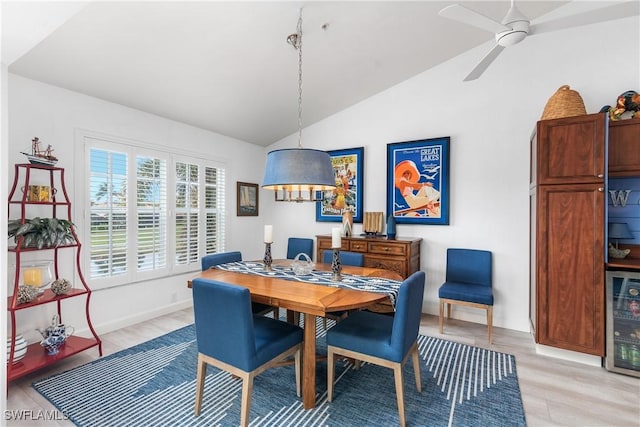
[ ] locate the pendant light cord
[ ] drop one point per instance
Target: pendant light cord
(299, 47)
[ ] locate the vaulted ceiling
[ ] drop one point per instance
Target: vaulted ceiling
(226, 66)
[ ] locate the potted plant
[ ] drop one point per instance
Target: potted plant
(42, 232)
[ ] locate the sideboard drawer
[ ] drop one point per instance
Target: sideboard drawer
(355, 246)
(326, 244)
(387, 248)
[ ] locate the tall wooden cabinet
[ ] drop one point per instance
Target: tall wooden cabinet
(568, 217)
(624, 148)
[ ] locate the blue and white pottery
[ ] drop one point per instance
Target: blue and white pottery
(52, 343)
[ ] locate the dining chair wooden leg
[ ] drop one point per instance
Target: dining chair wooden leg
(397, 373)
(416, 367)
(200, 376)
(298, 374)
(441, 316)
(247, 390)
(330, 373)
(490, 322)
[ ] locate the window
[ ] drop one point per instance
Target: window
(138, 229)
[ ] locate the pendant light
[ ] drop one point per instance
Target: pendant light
(297, 174)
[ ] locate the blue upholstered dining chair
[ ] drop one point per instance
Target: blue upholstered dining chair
(230, 337)
(346, 258)
(468, 282)
(212, 260)
(380, 339)
(296, 245)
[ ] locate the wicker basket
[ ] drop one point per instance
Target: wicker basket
(564, 103)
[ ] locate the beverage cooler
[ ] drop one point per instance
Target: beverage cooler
(623, 322)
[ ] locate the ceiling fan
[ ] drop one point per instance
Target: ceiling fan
(515, 26)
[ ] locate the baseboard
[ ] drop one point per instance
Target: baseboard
(573, 356)
(124, 322)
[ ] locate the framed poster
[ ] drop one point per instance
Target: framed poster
(418, 181)
(247, 199)
(348, 166)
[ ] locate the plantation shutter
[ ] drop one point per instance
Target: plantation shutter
(151, 186)
(187, 214)
(214, 210)
(108, 210)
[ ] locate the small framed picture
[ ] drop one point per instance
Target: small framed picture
(418, 181)
(247, 199)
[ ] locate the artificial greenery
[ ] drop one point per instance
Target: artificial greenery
(42, 232)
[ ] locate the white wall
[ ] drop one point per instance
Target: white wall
(53, 114)
(490, 121)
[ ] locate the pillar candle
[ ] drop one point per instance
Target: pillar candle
(336, 237)
(32, 277)
(268, 233)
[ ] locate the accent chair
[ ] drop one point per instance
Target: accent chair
(212, 260)
(296, 245)
(468, 283)
(382, 340)
(346, 258)
(230, 337)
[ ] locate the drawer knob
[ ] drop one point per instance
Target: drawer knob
(386, 249)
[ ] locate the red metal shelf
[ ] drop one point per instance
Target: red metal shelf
(15, 248)
(37, 358)
(46, 297)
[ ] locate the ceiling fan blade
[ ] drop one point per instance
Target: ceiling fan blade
(616, 11)
(486, 61)
(471, 17)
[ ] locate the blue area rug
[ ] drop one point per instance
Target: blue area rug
(153, 384)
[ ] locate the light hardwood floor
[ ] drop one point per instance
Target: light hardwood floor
(554, 392)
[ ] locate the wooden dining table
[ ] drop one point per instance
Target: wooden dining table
(312, 300)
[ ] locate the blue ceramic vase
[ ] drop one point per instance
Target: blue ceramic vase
(391, 227)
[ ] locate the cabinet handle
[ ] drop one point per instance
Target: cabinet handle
(600, 189)
(386, 249)
(600, 175)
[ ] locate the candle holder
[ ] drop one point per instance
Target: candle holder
(267, 257)
(336, 266)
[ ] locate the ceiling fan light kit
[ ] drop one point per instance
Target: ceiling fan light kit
(515, 27)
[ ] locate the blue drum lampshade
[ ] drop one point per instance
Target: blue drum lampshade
(297, 173)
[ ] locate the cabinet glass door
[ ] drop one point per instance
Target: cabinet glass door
(623, 322)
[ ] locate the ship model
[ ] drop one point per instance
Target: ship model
(39, 156)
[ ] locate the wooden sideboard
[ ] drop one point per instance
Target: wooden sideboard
(401, 254)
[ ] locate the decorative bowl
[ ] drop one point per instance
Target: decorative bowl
(618, 253)
(302, 266)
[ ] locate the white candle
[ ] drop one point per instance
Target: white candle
(268, 233)
(336, 237)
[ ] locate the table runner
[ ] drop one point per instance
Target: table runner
(349, 281)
